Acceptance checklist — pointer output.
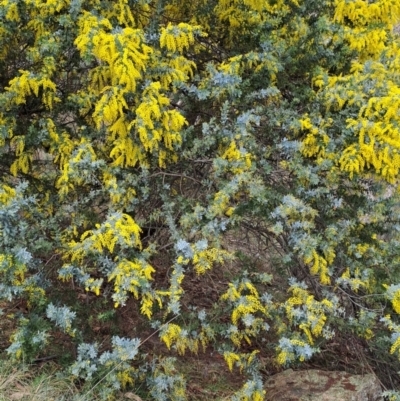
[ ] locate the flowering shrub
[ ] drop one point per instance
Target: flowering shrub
(137, 137)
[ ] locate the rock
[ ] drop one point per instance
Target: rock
(319, 385)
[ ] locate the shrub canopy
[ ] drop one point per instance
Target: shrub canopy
(141, 140)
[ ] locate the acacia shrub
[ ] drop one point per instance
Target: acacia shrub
(190, 122)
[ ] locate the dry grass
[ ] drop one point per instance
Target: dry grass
(39, 384)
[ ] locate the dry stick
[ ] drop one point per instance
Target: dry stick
(116, 366)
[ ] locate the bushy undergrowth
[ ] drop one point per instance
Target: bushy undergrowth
(211, 177)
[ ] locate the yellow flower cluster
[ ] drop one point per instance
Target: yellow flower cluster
(125, 59)
(355, 282)
(28, 84)
(154, 124)
(362, 248)
(36, 295)
(220, 203)
(396, 301)
(61, 144)
(8, 124)
(203, 260)
(231, 358)
(23, 159)
(93, 285)
(242, 360)
(177, 38)
(249, 305)
(363, 14)
(182, 70)
(395, 346)
(386, 160)
(234, 292)
(315, 311)
(126, 153)
(376, 126)
(122, 11)
(125, 377)
(240, 159)
(183, 342)
(18, 270)
(118, 195)
(48, 7)
(352, 161)
(245, 305)
(11, 10)
(371, 42)
(6, 195)
(123, 52)
(21, 163)
(243, 15)
(284, 356)
(17, 143)
(320, 264)
(172, 333)
(117, 229)
(346, 274)
(396, 329)
(256, 5)
(109, 111)
(151, 112)
(148, 299)
(129, 276)
(316, 140)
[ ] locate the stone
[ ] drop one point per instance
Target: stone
(319, 385)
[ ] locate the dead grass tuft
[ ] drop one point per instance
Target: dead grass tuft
(34, 384)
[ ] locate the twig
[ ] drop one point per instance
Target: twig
(181, 176)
